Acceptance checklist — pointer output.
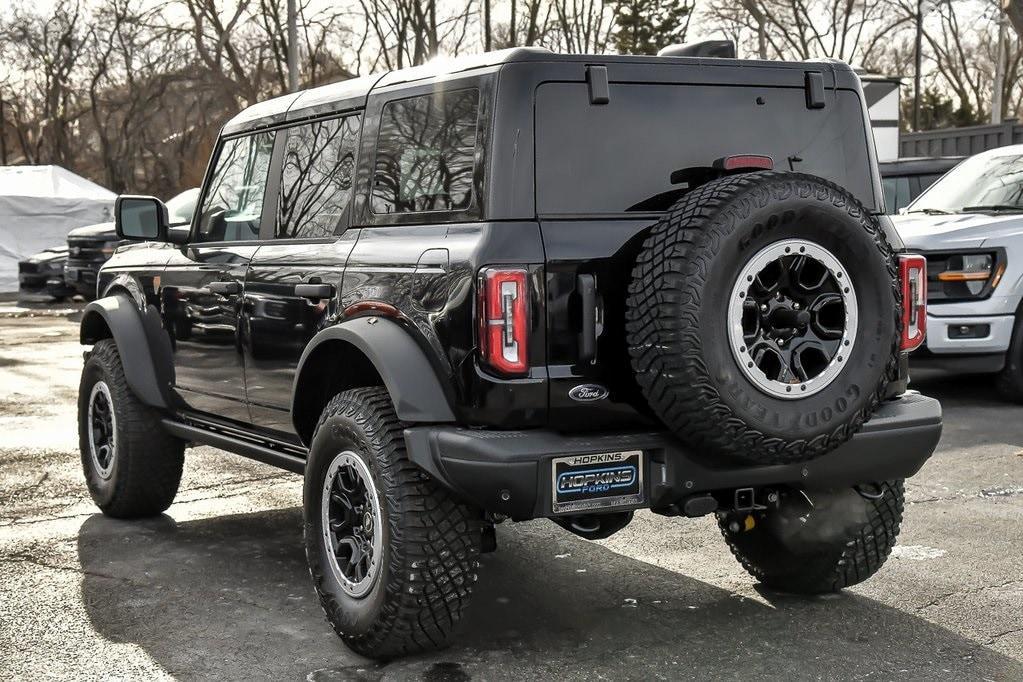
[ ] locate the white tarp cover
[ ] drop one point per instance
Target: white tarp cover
(39, 205)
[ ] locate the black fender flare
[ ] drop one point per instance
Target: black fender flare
(144, 347)
(408, 376)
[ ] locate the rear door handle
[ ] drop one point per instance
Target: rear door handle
(587, 286)
(314, 291)
(225, 288)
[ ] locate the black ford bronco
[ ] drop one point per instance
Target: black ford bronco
(526, 285)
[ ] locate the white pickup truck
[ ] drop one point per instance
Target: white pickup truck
(969, 225)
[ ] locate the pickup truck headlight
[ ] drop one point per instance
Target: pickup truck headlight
(964, 276)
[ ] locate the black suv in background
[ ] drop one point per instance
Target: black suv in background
(903, 180)
(526, 285)
(89, 247)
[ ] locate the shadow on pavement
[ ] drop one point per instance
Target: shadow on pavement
(974, 390)
(230, 597)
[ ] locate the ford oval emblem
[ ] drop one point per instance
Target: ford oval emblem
(586, 393)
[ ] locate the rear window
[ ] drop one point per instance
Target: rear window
(316, 178)
(620, 157)
(426, 152)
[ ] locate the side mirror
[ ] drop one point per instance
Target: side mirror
(140, 218)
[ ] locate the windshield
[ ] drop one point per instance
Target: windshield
(981, 183)
(181, 207)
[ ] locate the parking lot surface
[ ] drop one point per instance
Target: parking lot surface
(218, 587)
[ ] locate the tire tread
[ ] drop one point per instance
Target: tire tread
(435, 540)
(669, 275)
(861, 555)
(149, 460)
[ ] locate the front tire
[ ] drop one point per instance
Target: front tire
(818, 542)
(392, 554)
(1009, 381)
(132, 466)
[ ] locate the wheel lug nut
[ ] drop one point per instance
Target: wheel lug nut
(763, 307)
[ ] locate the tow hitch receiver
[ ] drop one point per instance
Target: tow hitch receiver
(745, 499)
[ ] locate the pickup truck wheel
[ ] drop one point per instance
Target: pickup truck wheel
(392, 554)
(132, 466)
(818, 542)
(762, 317)
(1009, 381)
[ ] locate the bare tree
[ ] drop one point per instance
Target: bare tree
(411, 32)
(851, 30)
(581, 25)
(47, 108)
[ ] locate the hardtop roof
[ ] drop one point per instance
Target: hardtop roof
(352, 94)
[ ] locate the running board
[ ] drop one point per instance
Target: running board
(237, 445)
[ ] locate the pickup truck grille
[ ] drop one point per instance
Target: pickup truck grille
(85, 251)
(26, 268)
(936, 264)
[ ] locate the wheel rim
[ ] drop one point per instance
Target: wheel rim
(102, 429)
(792, 319)
(352, 525)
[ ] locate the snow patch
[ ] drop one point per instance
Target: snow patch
(916, 552)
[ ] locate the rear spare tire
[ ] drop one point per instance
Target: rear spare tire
(762, 317)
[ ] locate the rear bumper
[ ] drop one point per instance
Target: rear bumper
(510, 472)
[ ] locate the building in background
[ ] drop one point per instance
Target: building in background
(882, 95)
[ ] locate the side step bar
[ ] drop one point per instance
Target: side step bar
(239, 446)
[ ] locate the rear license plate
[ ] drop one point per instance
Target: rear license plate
(600, 481)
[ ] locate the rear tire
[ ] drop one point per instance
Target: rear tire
(132, 466)
(842, 540)
(400, 587)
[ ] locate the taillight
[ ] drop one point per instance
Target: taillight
(913, 278)
(504, 320)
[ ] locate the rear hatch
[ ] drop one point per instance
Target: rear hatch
(604, 173)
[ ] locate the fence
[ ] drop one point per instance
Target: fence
(963, 141)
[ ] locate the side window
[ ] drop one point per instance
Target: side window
(316, 178)
(896, 193)
(425, 153)
(233, 204)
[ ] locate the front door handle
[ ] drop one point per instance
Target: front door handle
(314, 291)
(225, 288)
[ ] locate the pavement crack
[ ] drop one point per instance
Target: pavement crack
(975, 590)
(983, 493)
(994, 638)
(22, 558)
(240, 481)
(8, 522)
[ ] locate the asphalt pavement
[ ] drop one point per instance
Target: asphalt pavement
(218, 587)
